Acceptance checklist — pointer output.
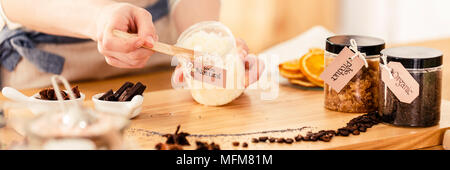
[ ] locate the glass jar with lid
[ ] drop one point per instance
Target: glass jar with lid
(425, 66)
(215, 39)
(360, 95)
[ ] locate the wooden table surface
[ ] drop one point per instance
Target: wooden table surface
(294, 108)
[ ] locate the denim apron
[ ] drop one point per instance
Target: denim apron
(15, 44)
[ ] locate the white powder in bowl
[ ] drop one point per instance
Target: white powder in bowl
(222, 54)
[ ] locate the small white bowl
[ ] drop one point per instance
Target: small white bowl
(129, 109)
(35, 105)
(38, 106)
(50, 106)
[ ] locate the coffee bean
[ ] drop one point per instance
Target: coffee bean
(272, 140)
(319, 134)
(314, 138)
(331, 132)
(280, 140)
(263, 138)
(235, 143)
(344, 132)
(206, 146)
(362, 129)
(289, 140)
(306, 138)
(352, 128)
(368, 125)
(325, 138)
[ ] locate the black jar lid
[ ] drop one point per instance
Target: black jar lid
(366, 44)
(414, 57)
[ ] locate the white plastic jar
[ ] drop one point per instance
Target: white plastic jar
(217, 40)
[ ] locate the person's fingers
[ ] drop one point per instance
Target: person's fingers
(116, 63)
(116, 55)
(253, 73)
(242, 48)
(138, 57)
(118, 44)
(139, 54)
(135, 59)
(145, 28)
(178, 75)
(250, 61)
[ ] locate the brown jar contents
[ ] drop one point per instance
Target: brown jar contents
(425, 66)
(360, 95)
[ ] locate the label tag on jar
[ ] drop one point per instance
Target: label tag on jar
(402, 84)
(343, 68)
(209, 74)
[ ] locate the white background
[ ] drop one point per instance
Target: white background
(396, 21)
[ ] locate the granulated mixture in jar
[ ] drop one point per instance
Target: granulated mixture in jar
(425, 66)
(222, 46)
(360, 95)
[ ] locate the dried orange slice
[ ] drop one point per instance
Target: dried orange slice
(312, 65)
(292, 65)
(316, 50)
(317, 83)
(303, 83)
(291, 74)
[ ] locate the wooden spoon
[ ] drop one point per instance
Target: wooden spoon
(160, 47)
(216, 76)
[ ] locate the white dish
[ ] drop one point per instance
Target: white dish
(36, 105)
(129, 109)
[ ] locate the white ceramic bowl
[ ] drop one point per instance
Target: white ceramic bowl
(18, 112)
(38, 106)
(129, 109)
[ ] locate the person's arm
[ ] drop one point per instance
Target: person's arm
(75, 18)
(94, 19)
(189, 12)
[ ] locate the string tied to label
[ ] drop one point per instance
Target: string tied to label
(385, 66)
(362, 56)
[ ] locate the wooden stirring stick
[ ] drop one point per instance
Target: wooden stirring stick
(217, 76)
(160, 47)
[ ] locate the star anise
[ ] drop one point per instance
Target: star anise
(177, 138)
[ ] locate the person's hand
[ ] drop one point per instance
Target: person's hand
(125, 53)
(253, 66)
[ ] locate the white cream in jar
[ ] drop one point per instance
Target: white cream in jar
(223, 54)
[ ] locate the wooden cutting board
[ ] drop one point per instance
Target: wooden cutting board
(295, 111)
(295, 108)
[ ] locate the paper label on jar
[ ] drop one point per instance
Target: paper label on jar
(402, 84)
(209, 74)
(342, 69)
